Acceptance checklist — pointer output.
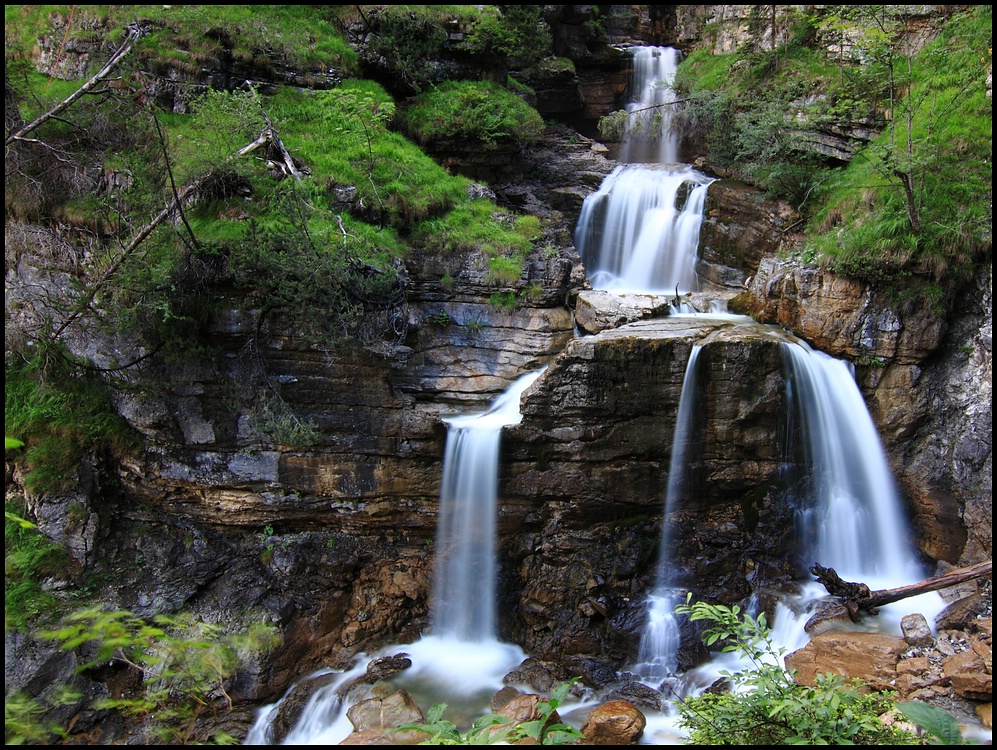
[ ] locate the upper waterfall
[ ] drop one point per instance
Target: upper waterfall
(650, 136)
(639, 232)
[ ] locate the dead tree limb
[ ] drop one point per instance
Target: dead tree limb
(858, 596)
(267, 136)
(135, 32)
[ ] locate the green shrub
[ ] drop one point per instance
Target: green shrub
(767, 707)
(62, 413)
(475, 111)
(186, 666)
(29, 558)
(519, 32)
(493, 729)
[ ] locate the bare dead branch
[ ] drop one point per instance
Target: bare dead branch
(135, 32)
(856, 597)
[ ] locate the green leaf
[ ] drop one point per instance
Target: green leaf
(435, 713)
(937, 722)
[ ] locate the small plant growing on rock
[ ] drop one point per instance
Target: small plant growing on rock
(767, 707)
(492, 729)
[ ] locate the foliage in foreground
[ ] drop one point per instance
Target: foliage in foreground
(29, 557)
(182, 669)
(767, 707)
(492, 729)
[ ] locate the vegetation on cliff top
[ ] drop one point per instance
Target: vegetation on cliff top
(911, 211)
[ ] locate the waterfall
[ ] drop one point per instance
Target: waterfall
(854, 521)
(461, 661)
(659, 641)
(650, 136)
(639, 232)
(463, 597)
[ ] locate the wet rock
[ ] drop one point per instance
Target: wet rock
(971, 672)
(381, 714)
(614, 723)
(368, 737)
(501, 697)
(539, 676)
(639, 695)
(862, 325)
(960, 614)
(596, 310)
(916, 630)
(523, 708)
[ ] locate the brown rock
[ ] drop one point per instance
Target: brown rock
(367, 737)
(872, 657)
(614, 723)
(968, 676)
(380, 714)
(986, 714)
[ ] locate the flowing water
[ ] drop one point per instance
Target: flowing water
(659, 642)
(650, 135)
(640, 233)
(461, 661)
(463, 593)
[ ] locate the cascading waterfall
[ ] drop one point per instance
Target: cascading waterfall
(639, 232)
(660, 641)
(463, 595)
(854, 521)
(650, 136)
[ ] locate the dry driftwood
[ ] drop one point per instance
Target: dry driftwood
(857, 597)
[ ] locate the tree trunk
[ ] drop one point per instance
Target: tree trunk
(858, 596)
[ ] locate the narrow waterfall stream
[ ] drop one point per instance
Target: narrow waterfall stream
(465, 572)
(461, 661)
(659, 642)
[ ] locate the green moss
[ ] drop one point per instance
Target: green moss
(60, 413)
(476, 111)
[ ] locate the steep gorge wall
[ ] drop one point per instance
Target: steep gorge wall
(334, 541)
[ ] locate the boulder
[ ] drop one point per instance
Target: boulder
(614, 723)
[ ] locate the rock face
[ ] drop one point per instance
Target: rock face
(928, 384)
(588, 465)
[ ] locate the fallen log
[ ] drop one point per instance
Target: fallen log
(857, 597)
